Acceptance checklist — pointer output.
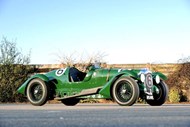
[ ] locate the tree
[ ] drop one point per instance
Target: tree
(80, 60)
(14, 70)
(180, 79)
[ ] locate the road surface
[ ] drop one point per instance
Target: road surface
(94, 115)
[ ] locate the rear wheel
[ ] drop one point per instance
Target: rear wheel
(70, 101)
(161, 97)
(125, 91)
(37, 92)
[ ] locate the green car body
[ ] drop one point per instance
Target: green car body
(123, 86)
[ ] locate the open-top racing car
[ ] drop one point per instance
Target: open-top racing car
(69, 85)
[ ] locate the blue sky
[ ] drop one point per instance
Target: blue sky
(127, 31)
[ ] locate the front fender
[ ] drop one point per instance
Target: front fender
(23, 87)
(106, 90)
(162, 76)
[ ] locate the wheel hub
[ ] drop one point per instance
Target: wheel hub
(36, 91)
(124, 91)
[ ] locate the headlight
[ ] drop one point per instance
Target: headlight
(157, 79)
(142, 77)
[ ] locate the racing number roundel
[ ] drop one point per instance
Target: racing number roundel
(149, 81)
(60, 72)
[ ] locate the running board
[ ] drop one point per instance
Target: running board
(82, 93)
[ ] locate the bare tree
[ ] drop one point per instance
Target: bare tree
(184, 60)
(81, 60)
(67, 59)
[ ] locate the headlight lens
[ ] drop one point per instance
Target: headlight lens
(157, 79)
(142, 77)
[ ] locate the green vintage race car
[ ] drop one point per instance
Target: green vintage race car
(69, 85)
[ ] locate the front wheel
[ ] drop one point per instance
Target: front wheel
(125, 91)
(70, 101)
(161, 97)
(37, 92)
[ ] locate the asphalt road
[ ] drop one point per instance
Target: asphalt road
(94, 115)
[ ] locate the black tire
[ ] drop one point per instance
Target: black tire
(70, 101)
(160, 98)
(37, 92)
(125, 91)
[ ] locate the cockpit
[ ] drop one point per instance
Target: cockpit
(76, 75)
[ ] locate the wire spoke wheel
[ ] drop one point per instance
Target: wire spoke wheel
(37, 92)
(159, 98)
(125, 91)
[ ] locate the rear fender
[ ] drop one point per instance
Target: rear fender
(22, 88)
